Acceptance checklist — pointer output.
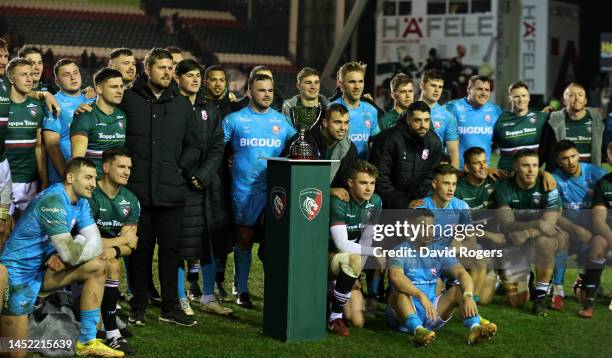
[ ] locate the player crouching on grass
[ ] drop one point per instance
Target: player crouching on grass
(351, 238)
(41, 255)
(116, 212)
(414, 307)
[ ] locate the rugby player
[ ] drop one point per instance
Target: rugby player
(402, 93)
(518, 128)
(476, 116)
(351, 239)
(116, 211)
(34, 54)
(443, 122)
(253, 132)
(528, 217)
(415, 307)
(56, 129)
(362, 115)
(24, 148)
(6, 185)
(122, 60)
(41, 255)
(104, 127)
(306, 108)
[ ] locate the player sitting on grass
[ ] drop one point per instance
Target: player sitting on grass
(414, 307)
(41, 255)
(351, 238)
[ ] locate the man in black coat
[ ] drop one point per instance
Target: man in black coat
(330, 141)
(163, 135)
(406, 156)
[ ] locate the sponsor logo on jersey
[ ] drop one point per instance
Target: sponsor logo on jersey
(259, 142)
(52, 210)
(359, 137)
(4, 99)
(475, 130)
(275, 129)
(278, 197)
(425, 154)
(204, 115)
(311, 200)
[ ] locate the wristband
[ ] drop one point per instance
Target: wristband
(468, 294)
(118, 251)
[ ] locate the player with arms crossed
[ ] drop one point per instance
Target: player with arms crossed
(528, 217)
(116, 212)
(253, 132)
(350, 228)
(414, 307)
(42, 256)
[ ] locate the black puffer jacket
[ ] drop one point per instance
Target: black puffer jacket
(162, 134)
(206, 217)
(405, 163)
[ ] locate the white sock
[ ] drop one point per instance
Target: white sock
(207, 299)
(334, 316)
(113, 334)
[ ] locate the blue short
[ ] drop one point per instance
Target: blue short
(22, 296)
(433, 325)
(248, 208)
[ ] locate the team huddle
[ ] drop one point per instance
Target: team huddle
(91, 177)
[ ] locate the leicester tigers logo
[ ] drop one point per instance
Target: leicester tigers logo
(278, 199)
(311, 200)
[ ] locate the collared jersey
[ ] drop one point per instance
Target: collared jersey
(479, 198)
(354, 215)
(513, 132)
(579, 132)
(363, 123)
(68, 105)
(253, 136)
(444, 124)
(577, 192)
(389, 119)
(25, 119)
(527, 204)
(456, 212)
(111, 214)
(103, 132)
(474, 125)
(50, 213)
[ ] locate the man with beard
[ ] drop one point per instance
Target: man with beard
(122, 60)
(476, 116)
(582, 125)
(163, 135)
(56, 128)
(253, 132)
(406, 156)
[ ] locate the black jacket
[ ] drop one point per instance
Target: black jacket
(221, 107)
(405, 164)
(206, 215)
(163, 136)
(315, 137)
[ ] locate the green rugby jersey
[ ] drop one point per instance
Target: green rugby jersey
(111, 214)
(389, 119)
(512, 133)
(25, 119)
(102, 131)
(5, 105)
(579, 132)
(355, 216)
(527, 204)
(603, 193)
(479, 198)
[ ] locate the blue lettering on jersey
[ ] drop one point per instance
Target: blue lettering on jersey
(50, 213)
(61, 125)
(253, 136)
(363, 123)
(474, 125)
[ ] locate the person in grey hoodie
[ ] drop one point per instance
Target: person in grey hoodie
(306, 108)
(582, 125)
